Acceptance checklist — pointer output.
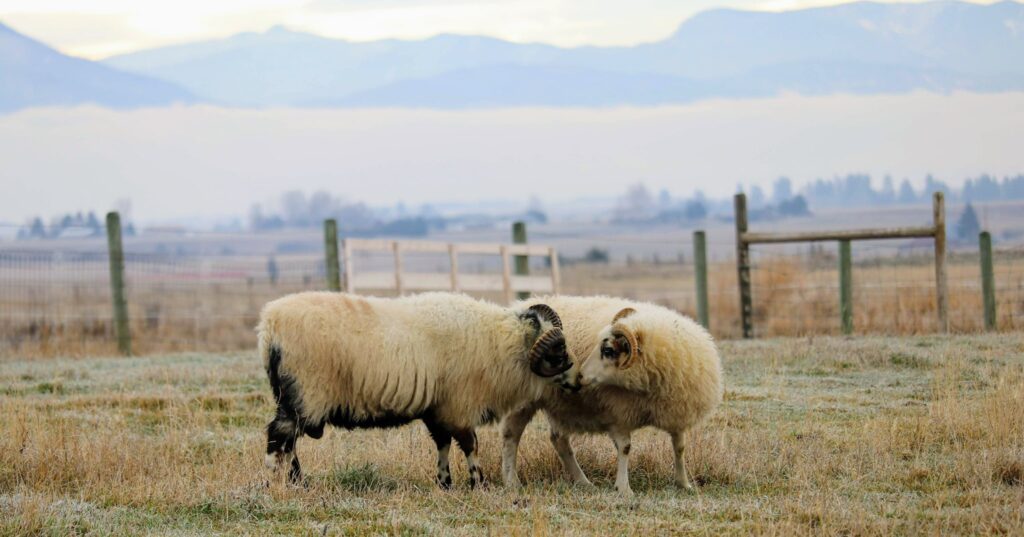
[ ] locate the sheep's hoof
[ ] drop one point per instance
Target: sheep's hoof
(444, 481)
(476, 478)
(513, 483)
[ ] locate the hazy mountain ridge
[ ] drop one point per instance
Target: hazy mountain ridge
(859, 48)
(853, 48)
(36, 75)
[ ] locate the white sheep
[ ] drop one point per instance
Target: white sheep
(645, 365)
(362, 362)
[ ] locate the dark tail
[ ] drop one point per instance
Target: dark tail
(273, 371)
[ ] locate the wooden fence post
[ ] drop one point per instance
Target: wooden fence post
(942, 298)
(700, 274)
(116, 253)
(346, 248)
(556, 277)
(522, 261)
(988, 283)
(506, 274)
(395, 246)
(845, 287)
(743, 266)
(453, 259)
(331, 255)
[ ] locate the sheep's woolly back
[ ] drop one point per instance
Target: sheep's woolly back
(676, 382)
(364, 358)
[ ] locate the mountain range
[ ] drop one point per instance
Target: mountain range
(859, 48)
(32, 74)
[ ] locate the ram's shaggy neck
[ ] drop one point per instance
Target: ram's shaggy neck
(496, 378)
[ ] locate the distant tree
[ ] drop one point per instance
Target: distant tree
(535, 204)
(888, 193)
(795, 206)
(967, 228)
(295, 208)
(756, 196)
(535, 211)
(36, 229)
(695, 210)
(636, 205)
(934, 185)
(321, 206)
(664, 199)
(907, 194)
(782, 190)
(596, 255)
(93, 223)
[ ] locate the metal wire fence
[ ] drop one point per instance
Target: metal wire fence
(55, 297)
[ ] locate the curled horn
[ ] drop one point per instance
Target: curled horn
(545, 346)
(622, 314)
(545, 312)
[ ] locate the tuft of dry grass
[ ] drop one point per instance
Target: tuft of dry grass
(873, 436)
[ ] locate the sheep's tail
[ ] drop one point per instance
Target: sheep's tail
(269, 352)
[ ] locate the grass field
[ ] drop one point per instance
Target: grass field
(866, 436)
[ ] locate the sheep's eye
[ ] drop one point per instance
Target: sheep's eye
(607, 351)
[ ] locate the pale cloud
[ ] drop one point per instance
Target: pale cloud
(105, 27)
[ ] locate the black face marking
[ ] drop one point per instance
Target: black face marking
(607, 351)
(625, 450)
(533, 318)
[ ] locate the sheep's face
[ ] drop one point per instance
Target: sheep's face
(549, 355)
(617, 350)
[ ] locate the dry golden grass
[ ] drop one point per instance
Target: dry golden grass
(825, 436)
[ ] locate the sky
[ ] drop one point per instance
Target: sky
(202, 162)
(99, 28)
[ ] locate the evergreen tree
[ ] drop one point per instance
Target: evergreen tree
(968, 227)
(907, 194)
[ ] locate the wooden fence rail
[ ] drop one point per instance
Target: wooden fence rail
(745, 238)
(507, 282)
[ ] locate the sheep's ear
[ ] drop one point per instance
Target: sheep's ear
(545, 312)
(625, 337)
(622, 314)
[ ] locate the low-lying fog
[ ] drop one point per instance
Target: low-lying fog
(208, 161)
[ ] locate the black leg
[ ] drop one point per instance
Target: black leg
(443, 439)
(467, 441)
(281, 436)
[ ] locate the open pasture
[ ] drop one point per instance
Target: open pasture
(823, 435)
